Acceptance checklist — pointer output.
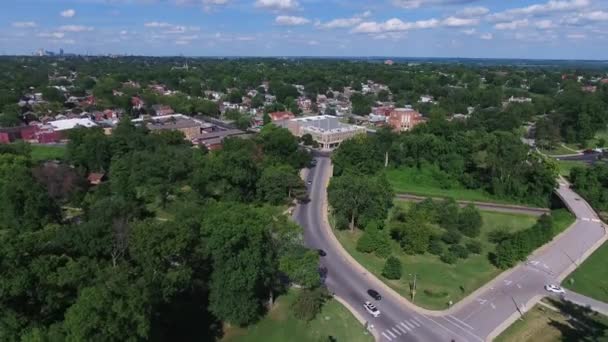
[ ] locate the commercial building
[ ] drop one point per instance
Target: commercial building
(326, 130)
(404, 119)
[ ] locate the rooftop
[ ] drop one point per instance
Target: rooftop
(65, 124)
(326, 124)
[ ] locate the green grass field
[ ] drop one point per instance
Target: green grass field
(559, 150)
(424, 182)
(591, 278)
(47, 152)
(565, 166)
(279, 325)
(569, 323)
(441, 281)
(562, 219)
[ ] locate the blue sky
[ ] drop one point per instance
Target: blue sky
(569, 29)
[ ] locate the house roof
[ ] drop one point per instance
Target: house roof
(65, 124)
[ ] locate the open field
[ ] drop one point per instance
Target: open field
(591, 278)
(47, 152)
(565, 166)
(560, 150)
(279, 325)
(424, 183)
(568, 323)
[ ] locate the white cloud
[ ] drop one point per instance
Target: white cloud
(75, 28)
(540, 9)
(157, 24)
(576, 36)
(544, 24)
(512, 25)
(487, 36)
(421, 3)
(55, 35)
(458, 22)
(469, 32)
(277, 4)
(595, 16)
(344, 22)
(24, 24)
(473, 11)
(69, 13)
(287, 20)
(395, 25)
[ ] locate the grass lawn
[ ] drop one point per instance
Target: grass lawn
(569, 323)
(424, 183)
(560, 150)
(47, 152)
(438, 282)
(562, 219)
(279, 325)
(565, 166)
(591, 278)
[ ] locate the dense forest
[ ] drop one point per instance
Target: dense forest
(174, 243)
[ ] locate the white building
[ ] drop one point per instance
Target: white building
(326, 130)
(66, 124)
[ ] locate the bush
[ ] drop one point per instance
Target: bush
(374, 240)
(498, 235)
(447, 212)
(451, 237)
(469, 221)
(459, 251)
(309, 303)
(392, 269)
(474, 247)
(435, 294)
(436, 247)
(365, 244)
(448, 257)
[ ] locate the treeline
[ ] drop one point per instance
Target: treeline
(174, 243)
(496, 162)
(513, 248)
(592, 184)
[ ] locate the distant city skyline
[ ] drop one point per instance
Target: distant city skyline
(535, 29)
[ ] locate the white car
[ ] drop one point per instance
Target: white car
(372, 309)
(554, 289)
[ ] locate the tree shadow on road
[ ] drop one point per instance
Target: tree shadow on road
(583, 324)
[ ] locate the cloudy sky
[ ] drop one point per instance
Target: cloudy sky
(569, 29)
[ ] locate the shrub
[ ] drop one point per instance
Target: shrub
(435, 294)
(447, 212)
(469, 221)
(392, 268)
(474, 247)
(374, 240)
(309, 303)
(448, 257)
(459, 251)
(498, 235)
(365, 244)
(436, 247)
(451, 237)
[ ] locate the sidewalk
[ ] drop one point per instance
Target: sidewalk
(588, 302)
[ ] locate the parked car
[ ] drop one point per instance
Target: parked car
(321, 252)
(554, 289)
(372, 309)
(374, 294)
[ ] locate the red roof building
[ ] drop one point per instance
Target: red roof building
(404, 119)
(280, 116)
(95, 178)
(4, 138)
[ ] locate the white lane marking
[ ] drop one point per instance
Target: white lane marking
(386, 336)
(596, 220)
(417, 319)
(400, 328)
(449, 330)
(518, 286)
(391, 333)
(508, 282)
(461, 322)
(415, 323)
(410, 324)
(481, 301)
(586, 219)
(396, 331)
(406, 326)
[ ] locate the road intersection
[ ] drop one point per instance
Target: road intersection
(479, 317)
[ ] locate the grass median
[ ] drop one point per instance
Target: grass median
(591, 278)
(437, 282)
(47, 152)
(280, 325)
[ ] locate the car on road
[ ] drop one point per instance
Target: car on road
(321, 252)
(554, 289)
(374, 294)
(372, 309)
(309, 182)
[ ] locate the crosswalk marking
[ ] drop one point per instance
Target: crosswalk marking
(417, 319)
(391, 333)
(400, 328)
(415, 323)
(406, 326)
(386, 336)
(410, 324)
(396, 331)
(596, 220)
(586, 219)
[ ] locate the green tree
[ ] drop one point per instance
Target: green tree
(469, 221)
(392, 269)
(278, 183)
(301, 266)
(309, 303)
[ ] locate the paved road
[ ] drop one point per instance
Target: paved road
(503, 208)
(478, 316)
(584, 157)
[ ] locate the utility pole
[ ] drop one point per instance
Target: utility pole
(414, 287)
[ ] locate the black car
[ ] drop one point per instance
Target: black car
(374, 294)
(321, 252)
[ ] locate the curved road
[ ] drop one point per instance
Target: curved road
(481, 315)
